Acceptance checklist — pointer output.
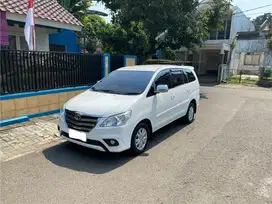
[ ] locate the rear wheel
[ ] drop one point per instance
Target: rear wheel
(190, 115)
(140, 138)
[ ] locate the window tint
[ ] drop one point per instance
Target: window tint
(124, 82)
(186, 80)
(163, 78)
(177, 78)
(190, 75)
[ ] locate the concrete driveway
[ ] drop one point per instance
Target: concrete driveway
(225, 156)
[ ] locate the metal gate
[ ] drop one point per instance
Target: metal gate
(116, 62)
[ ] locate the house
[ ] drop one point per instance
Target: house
(50, 19)
(251, 51)
(216, 49)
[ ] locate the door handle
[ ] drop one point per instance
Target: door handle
(173, 96)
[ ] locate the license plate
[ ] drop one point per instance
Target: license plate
(77, 135)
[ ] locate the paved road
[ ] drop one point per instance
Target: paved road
(225, 156)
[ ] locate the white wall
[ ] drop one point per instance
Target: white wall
(251, 46)
(258, 45)
(42, 36)
(239, 23)
(42, 41)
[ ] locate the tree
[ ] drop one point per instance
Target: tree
(76, 7)
(118, 40)
(94, 28)
(260, 20)
(179, 20)
(113, 38)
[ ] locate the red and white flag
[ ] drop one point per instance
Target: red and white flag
(30, 27)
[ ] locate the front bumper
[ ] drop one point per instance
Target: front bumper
(98, 137)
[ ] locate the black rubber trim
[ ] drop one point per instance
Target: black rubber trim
(90, 142)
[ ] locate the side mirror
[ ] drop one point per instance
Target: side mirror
(162, 89)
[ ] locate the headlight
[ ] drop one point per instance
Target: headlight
(116, 120)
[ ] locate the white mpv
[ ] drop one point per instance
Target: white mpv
(122, 110)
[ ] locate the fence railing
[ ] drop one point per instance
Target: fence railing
(240, 76)
(23, 71)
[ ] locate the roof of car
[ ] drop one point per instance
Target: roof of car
(153, 68)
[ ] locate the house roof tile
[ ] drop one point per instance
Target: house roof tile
(45, 9)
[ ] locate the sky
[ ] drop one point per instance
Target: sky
(242, 4)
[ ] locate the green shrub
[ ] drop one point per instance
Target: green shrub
(169, 54)
(270, 42)
(158, 61)
(267, 72)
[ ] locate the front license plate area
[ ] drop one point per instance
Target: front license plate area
(74, 134)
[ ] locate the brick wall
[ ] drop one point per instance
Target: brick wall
(26, 106)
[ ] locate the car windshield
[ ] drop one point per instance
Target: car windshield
(124, 82)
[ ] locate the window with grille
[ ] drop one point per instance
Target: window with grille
(23, 43)
(252, 59)
(12, 42)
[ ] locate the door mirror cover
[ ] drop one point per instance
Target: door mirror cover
(162, 89)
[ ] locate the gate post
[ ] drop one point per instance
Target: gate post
(130, 60)
(105, 65)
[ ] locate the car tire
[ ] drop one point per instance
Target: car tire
(139, 139)
(190, 115)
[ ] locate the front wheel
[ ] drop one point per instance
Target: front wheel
(140, 138)
(190, 115)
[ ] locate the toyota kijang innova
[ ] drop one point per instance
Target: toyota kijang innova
(122, 110)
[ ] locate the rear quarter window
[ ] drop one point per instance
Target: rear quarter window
(190, 75)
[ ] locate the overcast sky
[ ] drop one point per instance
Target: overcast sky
(243, 4)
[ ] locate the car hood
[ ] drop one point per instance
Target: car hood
(100, 104)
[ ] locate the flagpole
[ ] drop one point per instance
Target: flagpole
(34, 30)
(29, 30)
(34, 35)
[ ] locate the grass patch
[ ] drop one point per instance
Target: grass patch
(245, 79)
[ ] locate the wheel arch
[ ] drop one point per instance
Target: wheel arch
(148, 123)
(194, 102)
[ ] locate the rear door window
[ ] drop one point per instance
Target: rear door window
(177, 78)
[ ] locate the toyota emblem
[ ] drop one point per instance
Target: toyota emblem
(77, 117)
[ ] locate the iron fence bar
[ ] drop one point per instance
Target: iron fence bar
(13, 75)
(19, 72)
(2, 88)
(58, 70)
(4, 69)
(34, 70)
(69, 70)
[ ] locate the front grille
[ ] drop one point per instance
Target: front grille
(79, 121)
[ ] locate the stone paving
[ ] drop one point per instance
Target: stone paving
(19, 139)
